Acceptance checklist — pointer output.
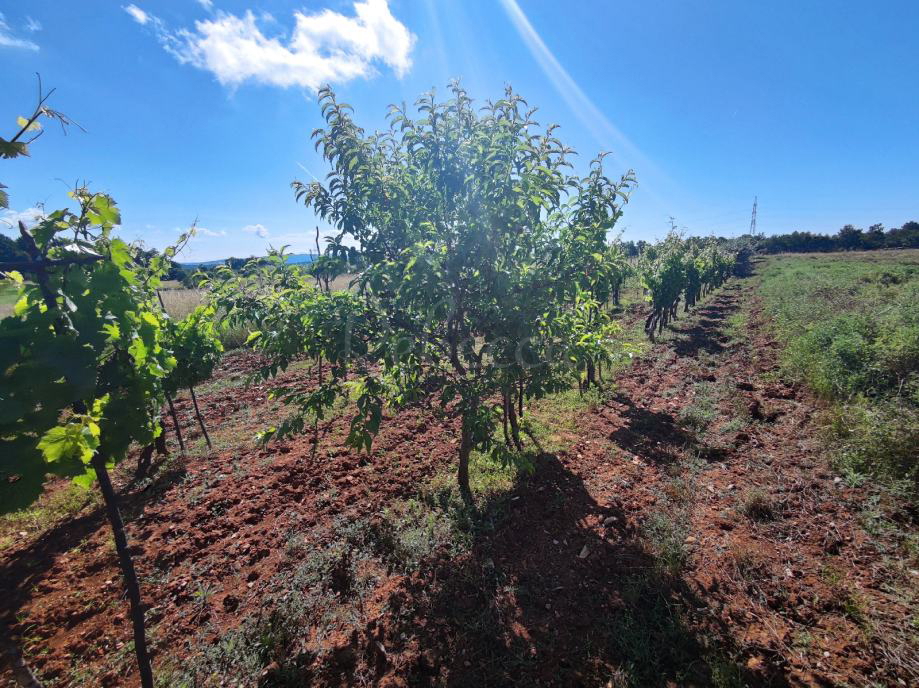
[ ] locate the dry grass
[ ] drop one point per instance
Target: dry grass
(180, 302)
(7, 299)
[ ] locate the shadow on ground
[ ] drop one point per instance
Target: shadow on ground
(21, 571)
(705, 333)
(551, 598)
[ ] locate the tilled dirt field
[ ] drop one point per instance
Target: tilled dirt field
(689, 532)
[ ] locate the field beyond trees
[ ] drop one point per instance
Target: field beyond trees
(735, 507)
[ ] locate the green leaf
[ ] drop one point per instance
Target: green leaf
(112, 331)
(120, 253)
(85, 480)
(23, 122)
(22, 305)
(70, 441)
(106, 210)
(138, 351)
(12, 149)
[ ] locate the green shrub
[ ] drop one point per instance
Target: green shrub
(849, 327)
(878, 438)
(835, 356)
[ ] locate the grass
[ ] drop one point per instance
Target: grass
(45, 513)
(849, 328)
(8, 296)
(702, 412)
(334, 568)
(757, 505)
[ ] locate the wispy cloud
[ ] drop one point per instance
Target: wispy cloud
(137, 14)
(258, 230)
(11, 218)
(326, 47)
(32, 25)
(9, 40)
(206, 4)
(204, 231)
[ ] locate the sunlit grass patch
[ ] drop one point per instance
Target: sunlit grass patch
(61, 503)
(849, 327)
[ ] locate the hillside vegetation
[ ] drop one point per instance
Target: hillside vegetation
(479, 440)
(849, 324)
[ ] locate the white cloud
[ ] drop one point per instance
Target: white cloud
(33, 25)
(137, 14)
(258, 230)
(204, 231)
(325, 47)
(8, 40)
(206, 4)
(11, 217)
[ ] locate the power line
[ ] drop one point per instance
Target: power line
(753, 218)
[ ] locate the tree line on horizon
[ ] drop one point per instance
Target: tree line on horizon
(848, 238)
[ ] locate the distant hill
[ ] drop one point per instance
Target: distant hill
(293, 258)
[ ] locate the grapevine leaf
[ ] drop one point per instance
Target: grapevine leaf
(138, 351)
(112, 331)
(12, 149)
(23, 122)
(85, 479)
(120, 253)
(70, 441)
(22, 305)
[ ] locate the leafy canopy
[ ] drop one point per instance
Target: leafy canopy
(486, 262)
(82, 357)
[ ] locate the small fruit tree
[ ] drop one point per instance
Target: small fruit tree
(678, 268)
(82, 360)
(662, 272)
(196, 346)
(473, 237)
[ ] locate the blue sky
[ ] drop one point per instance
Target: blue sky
(197, 109)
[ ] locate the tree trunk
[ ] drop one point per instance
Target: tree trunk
(194, 400)
(175, 422)
(146, 454)
(515, 427)
(143, 462)
(127, 570)
(505, 400)
(520, 397)
(20, 670)
(160, 441)
(462, 474)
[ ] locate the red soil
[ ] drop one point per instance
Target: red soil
(561, 588)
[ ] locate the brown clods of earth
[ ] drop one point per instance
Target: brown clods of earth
(691, 532)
